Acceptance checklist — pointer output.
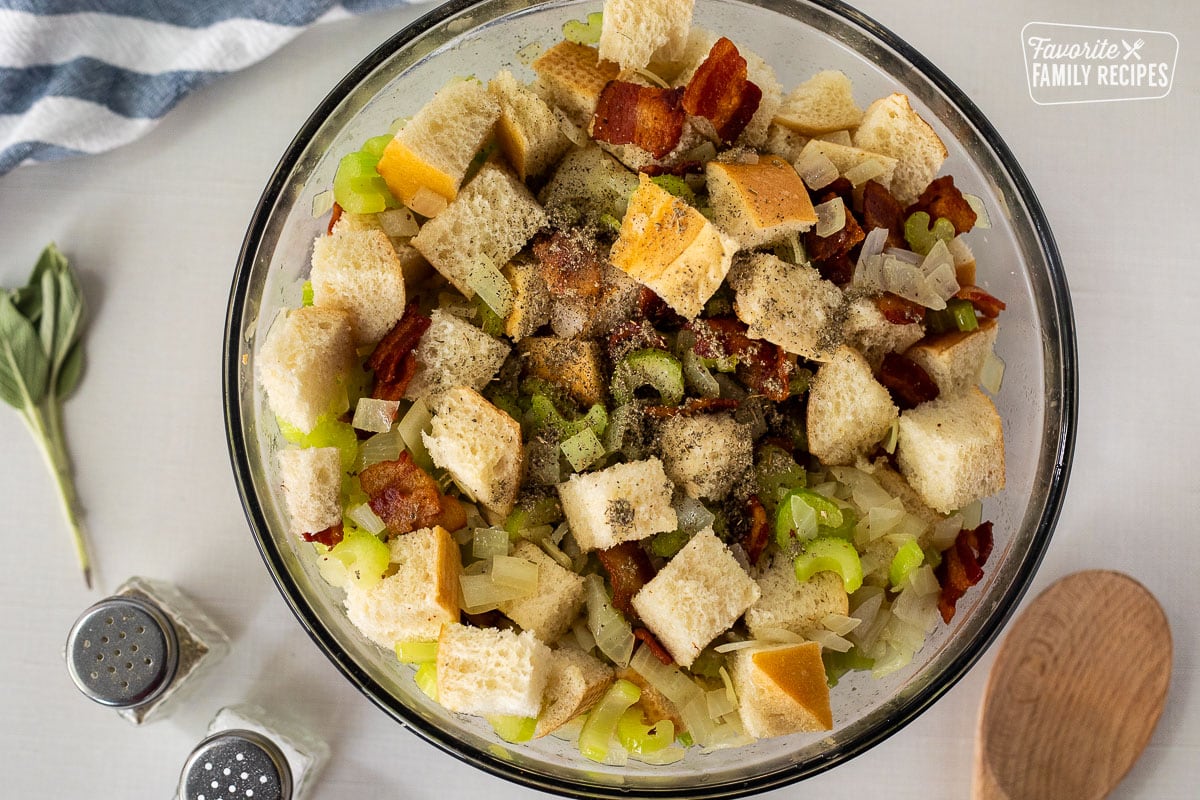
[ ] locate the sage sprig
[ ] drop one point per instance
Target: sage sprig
(41, 362)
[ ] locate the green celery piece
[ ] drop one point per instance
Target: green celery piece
(668, 543)
(544, 511)
(492, 323)
(649, 367)
(907, 558)
(829, 514)
(830, 554)
(921, 237)
(601, 723)
(365, 557)
(846, 529)
(581, 32)
(838, 664)
(610, 222)
(638, 737)
(426, 679)
(306, 294)
(513, 729)
(328, 432)
(964, 314)
(676, 186)
(775, 473)
(376, 145)
(416, 652)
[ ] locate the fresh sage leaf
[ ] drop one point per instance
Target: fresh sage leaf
(23, 364)
(70, 372)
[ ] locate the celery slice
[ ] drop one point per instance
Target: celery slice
(601, 723)
(655, 368)
(581, 32)
(426, 679)
(830, 554)
(306, 294)
(921, 236)
(513, 729)
(803, 514)
(364, 557)
(416, 652)
(582, 450)
(640, 738)
(907, 558)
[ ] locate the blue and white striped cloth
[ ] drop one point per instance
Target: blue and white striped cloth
(85, 76)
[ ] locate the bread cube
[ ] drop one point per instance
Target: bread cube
(669, 246)
(782, 690)
(480, 446)
(487, 671)
(575, 365)
(573, 75)
(822, 104)
(453, 352)
(790, 305)
(788, 604)
(849, 411)
(490, 221)
(706, 454)
(951, 450)
(577, 682)
(303, 361)
(953, 360)
(418, 598)
(311, 480)
(622, 503)
(550, 610)
(784, 142)
(698, 595)
(891, 127)
(869, 332)
(635, 31)
(846, 158)
(759, 204)
(359, 272)
(426, 161)
(528, 131)
(531, 300)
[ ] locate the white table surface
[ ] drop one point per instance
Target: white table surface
(155, 229)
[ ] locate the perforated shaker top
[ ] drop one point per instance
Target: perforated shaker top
(122, 652)
(236, 764)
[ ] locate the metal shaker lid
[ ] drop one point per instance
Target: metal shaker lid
(122, 652)
(236, 764)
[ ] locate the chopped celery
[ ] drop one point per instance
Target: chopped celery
(907, 558)
(800, 381)
(921, 236)
(491, 286)
(655, 368)
(582, 450)
(958, 315)
(491, 322)
(426, 679)
(846, 529)
(803, 514)
(610, 222)
(668, 543)
(513, 729)
(543, 511)
(686, 739)
(364, 557)
(581, 32)
(838, 664)
(376, 145)
(416, 652)
(708, 664)
(601, 723)
(306, 294)
(638, 737)
(328, 432)
(830, 554)
(676, 186)
(775, 473)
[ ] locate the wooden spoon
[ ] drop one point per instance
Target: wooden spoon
(1075, 692)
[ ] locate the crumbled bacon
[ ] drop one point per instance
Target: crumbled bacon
(655, 646)
(570, 263)
(392, 361)
(678, 170)
(760, 531)
(881, 210)
(407, 498)
(984, 303)
(899, 311)
(838, 243)
(763, 367)
(633, 334)
(629, 569)
(942, 200)
(693, 406)
(907, 381)
(962, 566)
(334, 216)
(655, 309)
(330, 537)
(647, 116)
(720, 92)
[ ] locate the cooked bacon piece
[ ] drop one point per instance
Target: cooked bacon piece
(570, 263)
(633, 334)
(629, 569)
(678, 170)
(942, 200)
(720, 92)
(407, 499)
(655, 309)
(899, 311)
(760, 530)
(881, 210)
(655, 646)
(693, 406)
(839, 269)
(763, 367)
(839, 243)
(984, 303)
(484, 619)
(330, 537)
(334, 216)
(393, 362)
(646, 116)
(906, 381)
(962, 566)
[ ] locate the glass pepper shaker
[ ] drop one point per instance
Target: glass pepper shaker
(140, 650)
(249, 754)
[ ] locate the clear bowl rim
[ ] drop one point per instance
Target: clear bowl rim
(310, 621)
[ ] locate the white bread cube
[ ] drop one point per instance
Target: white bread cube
(412, 263)
(426, 161)
(846, 158)
(573, 364)
(480, 446)
(622, 503)
(706, 454)
(528, 131)
(785, 142)
(573, 76)
(531, 300)
(636, 31)
(550, 610)
(359, 272)
(577, 682)
(782, 690)
(490, 221)
(890, 126)
(759, 204)
(787, 604)
(790, 305)
(953, 360)
(418, 598)
(822, 104)
(869, 332)
(453, 352)
(849, 411)
(672, 248)
(697, 596)
(311, 480)
(303, 361)
(487, 671)
(951, 450)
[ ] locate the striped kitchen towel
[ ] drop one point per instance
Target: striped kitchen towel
(85, 76)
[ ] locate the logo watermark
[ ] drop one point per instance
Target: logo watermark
(1087, 64)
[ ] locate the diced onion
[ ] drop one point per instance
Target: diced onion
(489, 542)
(868, 170)
(380, 447)
(583, 635)
(666, 678)
(613, 634)
(491, 286)
(703, 152)
(552, 550)
(905, 256)
(831, 216)
(945, 531)
(873, 244)
(804, 519)
(417, 421)
(650, 76)
(518, 574)
(893, 437)
(365, 518)
(427, 202)
(923, 581)
(374, 415)
(982, 220)
(322, 203)
(816, 169)
(829, 640)
(733, 647)
(719, 703)
(398, 223)
(840, 623)
(884, 519)
(480, 593)
(972, 515)
(668, 755)
(943, 281)
(570, 130)
(692, 516)
(569, 732)
(991, 373)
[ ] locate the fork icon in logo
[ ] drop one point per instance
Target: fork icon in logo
(1132, 49)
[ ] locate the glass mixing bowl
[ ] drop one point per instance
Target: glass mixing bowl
(1018, 262)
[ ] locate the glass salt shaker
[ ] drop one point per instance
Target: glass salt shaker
(249, 754)
(140, 650)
